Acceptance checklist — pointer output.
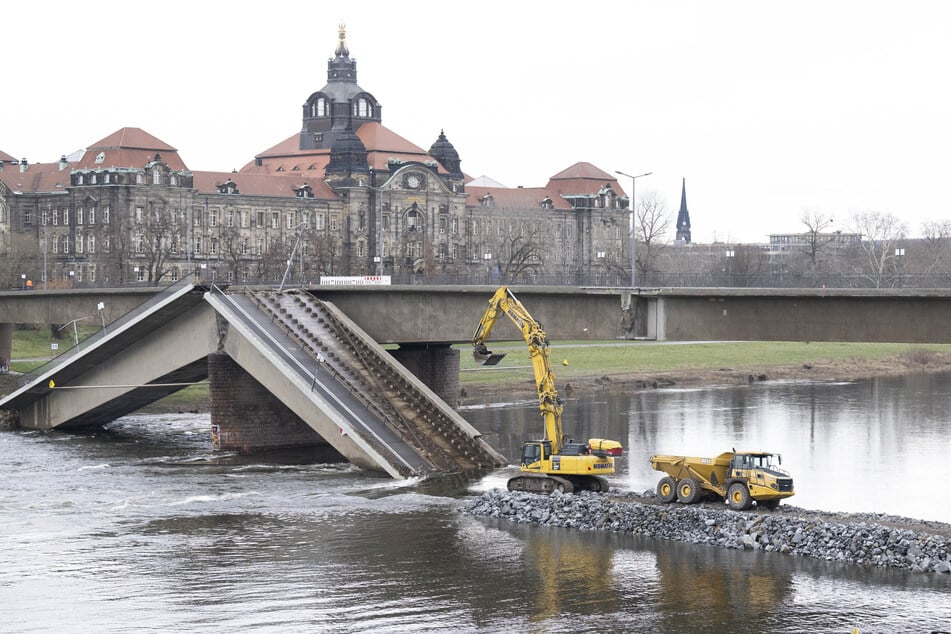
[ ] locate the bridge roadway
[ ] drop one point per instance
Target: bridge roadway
(395, 424)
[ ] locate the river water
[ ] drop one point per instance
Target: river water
(141, 527)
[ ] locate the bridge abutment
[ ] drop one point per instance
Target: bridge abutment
(246, 417)
(435, 365)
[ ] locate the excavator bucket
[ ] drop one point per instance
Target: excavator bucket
(483, 356)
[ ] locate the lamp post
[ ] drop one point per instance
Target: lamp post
(633, 224)
(899, 253)
(730, 253)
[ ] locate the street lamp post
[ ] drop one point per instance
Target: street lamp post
(633, 225)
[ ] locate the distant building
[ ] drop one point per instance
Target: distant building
(358, 197)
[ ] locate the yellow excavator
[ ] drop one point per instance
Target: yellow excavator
(554, 463)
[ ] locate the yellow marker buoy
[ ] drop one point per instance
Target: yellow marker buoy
(52, 385)
(565, 362)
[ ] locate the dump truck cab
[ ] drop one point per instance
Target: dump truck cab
(766, 482)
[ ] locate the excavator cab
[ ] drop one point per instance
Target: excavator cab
(533, 452)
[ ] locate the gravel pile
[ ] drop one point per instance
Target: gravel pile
(859, 542)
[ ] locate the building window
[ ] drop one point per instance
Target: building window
(156, 177)
(319, 221)
(55, 217)
(139, 178)
(196, 217)
(213, 246)
(66, 216)
(65, 244)
(412, 218)
(213, 218)
(105, 215)
(362, 220)
(172, 180)
(92, 273)
(92, 178)
(79, 273)
(91, 244)
(197, 248)
(173, 246)
(55, 244)
(442, 224)
(44, 217)
(92, 216)
(244, 219)
(138, 215)
(334, 221)
(275, 219)
(105, 179)
(140, 273)
(174, 273)
(386, 222)
(259, 247)
(79, 243)
(290, 219)
(79, 216)
(260, 219)
(361, 249)
(455, 225)
(244, 246)
(106, 244)
(139, 244)
(229, 218)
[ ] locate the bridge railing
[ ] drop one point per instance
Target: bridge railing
(67, 355)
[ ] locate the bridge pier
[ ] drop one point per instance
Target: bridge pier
(6, 342)
(435, 365)
(246, 417)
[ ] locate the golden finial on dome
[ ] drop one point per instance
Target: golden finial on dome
(342, 50)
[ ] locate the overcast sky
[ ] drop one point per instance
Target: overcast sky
(767, 109)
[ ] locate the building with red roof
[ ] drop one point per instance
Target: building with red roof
(355, 196)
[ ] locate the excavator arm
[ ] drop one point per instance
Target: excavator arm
(504, 301)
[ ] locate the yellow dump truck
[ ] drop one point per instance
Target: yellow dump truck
(740, 478)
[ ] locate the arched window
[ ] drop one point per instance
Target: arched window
(362, 108)
(412, 219)
(320, 107)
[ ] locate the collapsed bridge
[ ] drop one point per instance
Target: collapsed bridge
(285, 369)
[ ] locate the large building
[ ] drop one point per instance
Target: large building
(345, 195)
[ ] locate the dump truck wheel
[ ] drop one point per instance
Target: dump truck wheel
(687, 491)
(738, 497)
(667, 490)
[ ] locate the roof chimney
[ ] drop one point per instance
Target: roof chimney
(23, 165)
(63, 163)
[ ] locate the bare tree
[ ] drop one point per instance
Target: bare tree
(653, 222)
(157, 241)
(816, 238)
(520, 253)
(880, 231)
(936, 236)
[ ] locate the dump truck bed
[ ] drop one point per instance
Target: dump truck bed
(711, 471)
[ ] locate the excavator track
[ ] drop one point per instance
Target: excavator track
(541, 483)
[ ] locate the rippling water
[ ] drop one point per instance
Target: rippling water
(142, 527)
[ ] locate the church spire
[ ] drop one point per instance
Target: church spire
(683, 216)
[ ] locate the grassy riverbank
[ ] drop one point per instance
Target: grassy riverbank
(652, 364)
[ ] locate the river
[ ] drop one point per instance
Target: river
(142, 527)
